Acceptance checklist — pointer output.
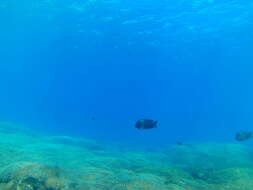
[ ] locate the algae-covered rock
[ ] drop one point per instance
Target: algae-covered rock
(32, 176)
(66, 163)
(210, 155)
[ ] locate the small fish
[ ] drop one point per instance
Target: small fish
(146, 124)
(179, 143)
(243, 135)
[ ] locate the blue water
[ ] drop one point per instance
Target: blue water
(92, 68)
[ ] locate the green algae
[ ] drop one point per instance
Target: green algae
(30, 162)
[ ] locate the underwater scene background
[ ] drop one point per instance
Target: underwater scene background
(76, 75)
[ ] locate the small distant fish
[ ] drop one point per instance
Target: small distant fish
(183, 144)
(146, 124)
(243, 135)
(129, 53)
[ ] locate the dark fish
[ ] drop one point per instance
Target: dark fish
(184, 144)
(243, 135)
(146, 124)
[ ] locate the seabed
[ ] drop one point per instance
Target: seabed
(35, 162)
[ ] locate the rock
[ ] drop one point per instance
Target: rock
(32, 176)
